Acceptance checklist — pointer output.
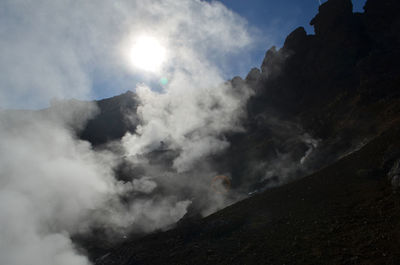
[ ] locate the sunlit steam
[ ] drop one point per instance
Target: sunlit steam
(148, 54)
(53, 185)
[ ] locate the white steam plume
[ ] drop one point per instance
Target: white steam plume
(53, 185)
(49, 181)
(196, 107)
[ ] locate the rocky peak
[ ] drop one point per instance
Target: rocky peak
(333, 16)
(272, 63)
(237, 84)
(296, 40)
(253, 76)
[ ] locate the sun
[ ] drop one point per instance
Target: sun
(148, 54)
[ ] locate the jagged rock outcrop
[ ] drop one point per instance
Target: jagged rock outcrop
(329, 84)
(347, 54)
(296, 41)
(333, 18)
(253, 77)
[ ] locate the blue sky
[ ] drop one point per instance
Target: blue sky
(286, 13)
(60, 49)
(277, 19)
(271, 20)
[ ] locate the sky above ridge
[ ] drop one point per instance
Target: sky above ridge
(66, 50)
(278, 18)
(272, 19)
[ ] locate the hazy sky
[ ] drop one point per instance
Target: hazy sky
(272, 20)
(69, 50)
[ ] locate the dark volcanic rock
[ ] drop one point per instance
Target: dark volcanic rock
(383, 21)
(117, 116)
(296, 41)
(272, 63)
(328, 85)
(333, 17)
(253, 77)
(344, 214)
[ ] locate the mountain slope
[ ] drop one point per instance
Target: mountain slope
(346, 213)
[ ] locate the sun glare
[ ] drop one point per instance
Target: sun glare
(148, 54)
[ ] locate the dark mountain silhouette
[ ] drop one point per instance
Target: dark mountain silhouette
(117, 117)
(339, 86)
(329, 100)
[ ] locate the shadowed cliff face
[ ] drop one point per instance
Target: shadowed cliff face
(338, 88)
(311, 69)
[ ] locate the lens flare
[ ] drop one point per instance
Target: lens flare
(221, 184)
(164, 81)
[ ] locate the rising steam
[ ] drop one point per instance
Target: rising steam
(54, 185)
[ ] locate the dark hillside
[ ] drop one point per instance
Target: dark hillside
(347, 213)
